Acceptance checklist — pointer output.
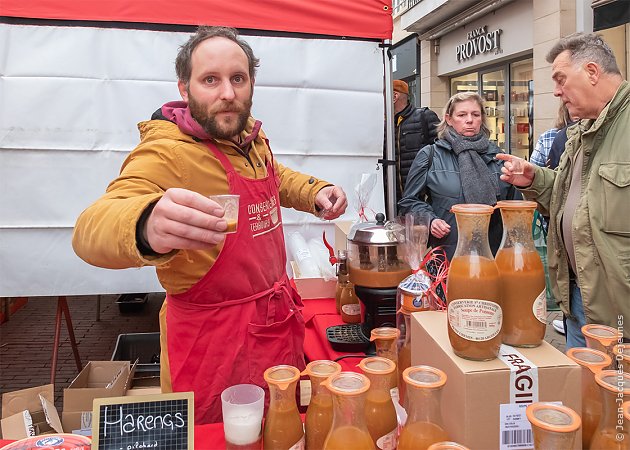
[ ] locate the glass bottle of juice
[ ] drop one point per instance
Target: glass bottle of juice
(349, 429)
(473, 288)
(522, 275)
(386, 342)
(380, 414)
(615, 389)
(410, 297)
(283, 425)
(592, 362)
(602, 338)
(341, 278)
(447, 445)
(424, 421)
(349, 306)
(553, 426)
(320, 410)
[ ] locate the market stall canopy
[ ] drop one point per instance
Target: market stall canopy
(364, 19)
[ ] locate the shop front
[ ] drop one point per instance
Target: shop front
(493, 56)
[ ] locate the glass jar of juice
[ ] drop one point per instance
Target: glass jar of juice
(615, 389)
(320, 409)
(283, 426)
(380, 414)
(475, 315)
(411, 296)
(386, 342)
(349, 306)
(602, 338)
(447, 445)
(349, 429)
(592, 362)
(524, 293)
(554, 426)
(424, 421)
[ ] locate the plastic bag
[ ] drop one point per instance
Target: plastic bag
(363, 193)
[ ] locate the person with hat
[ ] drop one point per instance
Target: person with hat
(414, 128)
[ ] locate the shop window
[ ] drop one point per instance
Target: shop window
(493, 93)
(521, 108)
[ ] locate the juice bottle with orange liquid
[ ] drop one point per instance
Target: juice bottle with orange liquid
(386, 343)
(380, 414)
(475, 314)
(592, 362)
(602, 338)
(349, 306)
(610, 434)
(524, 293)
(319, 414)
(553, 426)
(349, 429)
(283, 426)
(424, 421)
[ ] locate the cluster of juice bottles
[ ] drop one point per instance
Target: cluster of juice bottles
(495, 301)
(350, 410)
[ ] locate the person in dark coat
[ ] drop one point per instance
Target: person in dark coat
(414, 128)
(460, 167)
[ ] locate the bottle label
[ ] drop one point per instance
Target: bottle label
(299, 445)
(540, 306)
(352, 309)
(474, 319)
(389, 441)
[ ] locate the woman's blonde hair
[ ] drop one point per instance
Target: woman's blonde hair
(563, 118)
(450, 106)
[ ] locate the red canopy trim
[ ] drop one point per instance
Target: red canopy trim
(352, 18)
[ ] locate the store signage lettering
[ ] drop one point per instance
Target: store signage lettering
(480, 40)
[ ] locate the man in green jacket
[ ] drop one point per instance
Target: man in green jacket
(588, 197)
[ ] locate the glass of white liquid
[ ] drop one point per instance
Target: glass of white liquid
(243, 407)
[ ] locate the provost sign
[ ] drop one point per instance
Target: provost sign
(480, 40)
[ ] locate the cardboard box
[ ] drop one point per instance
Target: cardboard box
(98, 379)
(474, 391)
(29, 412)
(313, 287)
(342, 228)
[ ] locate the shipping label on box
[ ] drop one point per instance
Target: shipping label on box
(481, 400)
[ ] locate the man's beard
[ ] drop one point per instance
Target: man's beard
(207, 117)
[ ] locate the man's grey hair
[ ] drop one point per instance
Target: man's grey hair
(183, 62)
(584, 48)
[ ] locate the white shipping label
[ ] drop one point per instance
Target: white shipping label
(540, 306)
(523, 375)
(305, 392)
(514, 428)
(474, 319)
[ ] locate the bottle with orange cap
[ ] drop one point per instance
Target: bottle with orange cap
(553, 426)
(283, 426)
(424, 421)
(615, 389)
(319, 414)
(380, 414)
(349, 429)
(349, 306)
(592, 362)
(602, 338)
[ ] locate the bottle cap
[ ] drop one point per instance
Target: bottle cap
(552, 417)
(322, 368)
(376, 365)
(604, 334)
(281, 376)
(384, 333)
(424, 377)
(516, 204)
(472, 208)
(347, 383)
(589, 358)
(613, 381)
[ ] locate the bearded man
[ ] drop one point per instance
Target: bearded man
(230, 312)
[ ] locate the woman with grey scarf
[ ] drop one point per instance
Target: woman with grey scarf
(460, 167)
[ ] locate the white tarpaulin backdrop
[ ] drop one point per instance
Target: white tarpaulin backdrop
(70, 99)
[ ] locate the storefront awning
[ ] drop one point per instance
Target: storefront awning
(610, 13)
(363, 19)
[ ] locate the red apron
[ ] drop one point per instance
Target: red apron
(243, 316)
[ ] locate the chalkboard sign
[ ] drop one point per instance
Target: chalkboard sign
(163, 421)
